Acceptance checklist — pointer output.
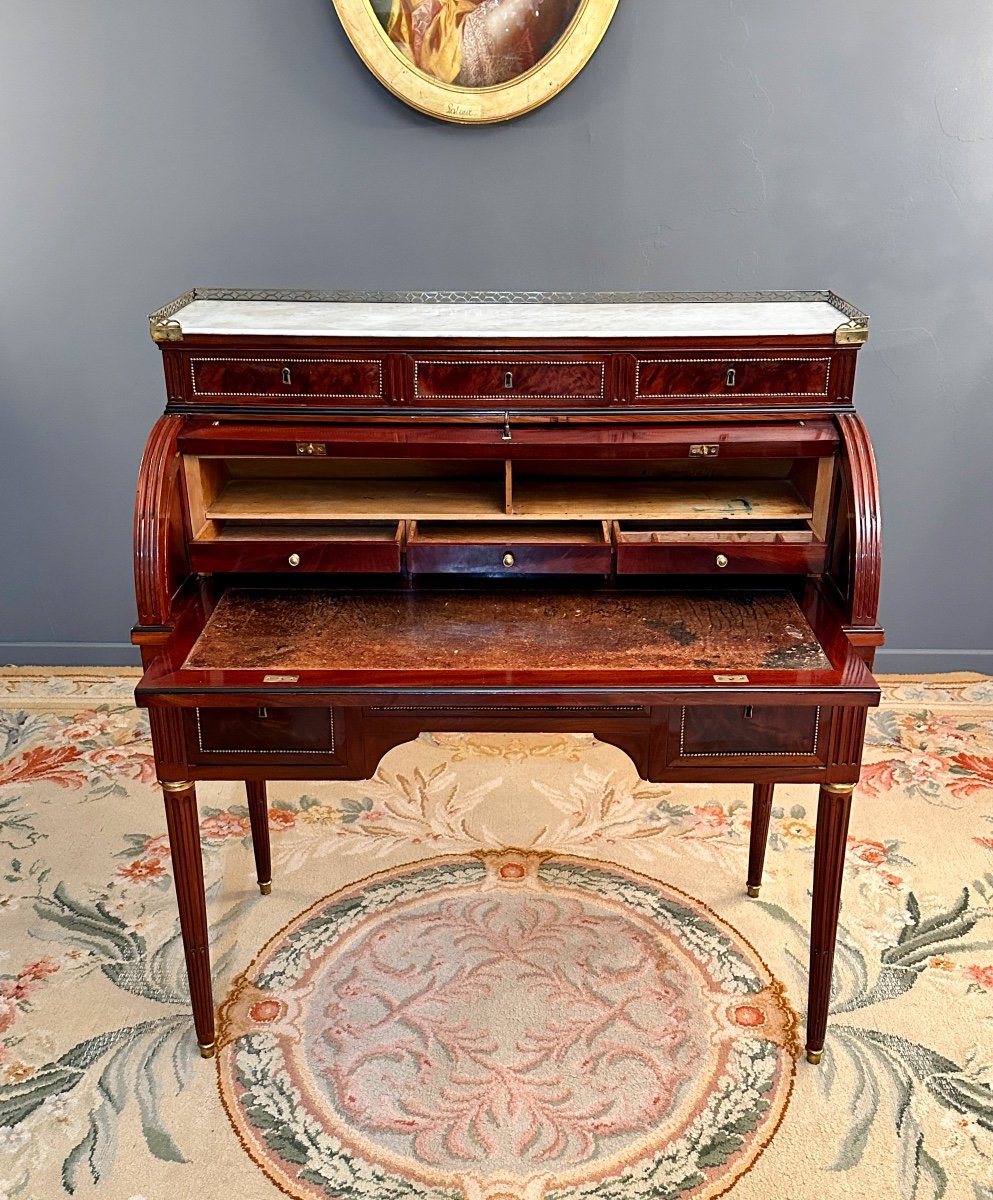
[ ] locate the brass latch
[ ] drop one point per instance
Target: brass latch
(312, 448)
(705, 450)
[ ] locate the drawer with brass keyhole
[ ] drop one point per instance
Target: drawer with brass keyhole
(504, 548)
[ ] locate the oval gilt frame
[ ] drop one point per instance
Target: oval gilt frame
(475, 105)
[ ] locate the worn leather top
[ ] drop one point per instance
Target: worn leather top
(506, 631)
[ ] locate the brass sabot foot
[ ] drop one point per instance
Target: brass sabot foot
(753, 889)
(265, 888)
(814, 1056)
(208, 1050)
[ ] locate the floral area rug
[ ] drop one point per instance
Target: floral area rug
(504, 967)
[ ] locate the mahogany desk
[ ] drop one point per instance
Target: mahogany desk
(653, 518)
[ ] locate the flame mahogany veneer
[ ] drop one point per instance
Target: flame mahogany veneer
(650, 518)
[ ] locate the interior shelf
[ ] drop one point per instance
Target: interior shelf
(355, 499)
(687, 500)
(306, 500)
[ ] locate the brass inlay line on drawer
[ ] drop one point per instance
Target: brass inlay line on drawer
(518, 708)
(361, 362)
(504, 394)
(732, 391)
(249, 750)
(811, 753)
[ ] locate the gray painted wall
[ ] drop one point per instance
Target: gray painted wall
(742, 144)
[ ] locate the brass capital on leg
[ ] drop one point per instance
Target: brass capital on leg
(838, 789)
(173, 786)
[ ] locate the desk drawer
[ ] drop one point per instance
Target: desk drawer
(509, 382)
(733, 380)
(508, 548)
(259, 734)
(642, 550)
(263, 379)
(746, 735)
(372, 547)
(641, 553)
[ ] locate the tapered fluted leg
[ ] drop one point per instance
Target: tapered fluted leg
(183, 823)
(834, 805)
(258, 814)
(761, 811)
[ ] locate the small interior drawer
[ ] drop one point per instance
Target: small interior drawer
(507, 548)
(746, 733)
(509, 381)
(646, 548)
(301, 548)
(254, 731)
(731, 379)
(324, 379)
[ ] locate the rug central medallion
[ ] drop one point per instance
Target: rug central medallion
(507, 1025)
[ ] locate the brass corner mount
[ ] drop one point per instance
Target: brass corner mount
(852, 333)
(165, 330)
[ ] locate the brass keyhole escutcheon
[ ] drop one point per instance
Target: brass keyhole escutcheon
(508, 379)
(508, 559)
(287, 377)
(722, 560)
(294, 560)
(731, 378)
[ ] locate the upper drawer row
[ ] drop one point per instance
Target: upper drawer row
(508, 381)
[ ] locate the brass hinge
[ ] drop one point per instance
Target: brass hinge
(317, 449)
(705, 450)
(165, 330)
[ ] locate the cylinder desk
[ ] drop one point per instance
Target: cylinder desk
(648, 517)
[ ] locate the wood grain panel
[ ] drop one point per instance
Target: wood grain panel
(734, 380)
(183, 823)
(510, 381)
(748, 733)
(719, 558)
(290, 378)
(266, 729)
(301, 549)
(860, 535)
(160, 560)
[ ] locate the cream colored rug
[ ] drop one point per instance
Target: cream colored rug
(503, 967)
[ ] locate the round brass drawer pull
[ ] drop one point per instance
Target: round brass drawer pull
(722, 560)
(294, 560)
(508, 559)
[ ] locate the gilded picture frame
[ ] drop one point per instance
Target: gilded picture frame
(475, 61)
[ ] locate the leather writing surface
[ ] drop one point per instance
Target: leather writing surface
(493, 631)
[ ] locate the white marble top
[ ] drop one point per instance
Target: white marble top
(292, 318)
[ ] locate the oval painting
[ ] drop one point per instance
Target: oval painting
(475, 60)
